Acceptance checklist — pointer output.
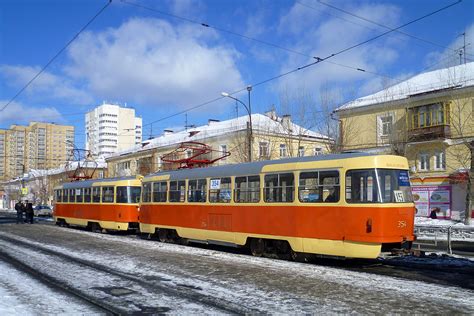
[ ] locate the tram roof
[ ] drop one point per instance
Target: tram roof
(87, 183)
(249, 167)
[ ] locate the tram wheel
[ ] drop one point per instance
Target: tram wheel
(163, 235)
(257, 247)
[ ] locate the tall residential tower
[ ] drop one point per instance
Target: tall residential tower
(111, 128)
(37, 146)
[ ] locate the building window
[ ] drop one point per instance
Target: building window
(439, 160)
(429, 115)
(283, 153)
(223, 150)
(424, 162)
(263, 150)
(386, 125)
(318, 151)
(301, 151)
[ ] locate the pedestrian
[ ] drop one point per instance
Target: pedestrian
(19, 212)
(433, 214)
(29, 212)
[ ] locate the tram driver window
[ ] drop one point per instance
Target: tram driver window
(279, 187)
(177, 191)
(197, 190)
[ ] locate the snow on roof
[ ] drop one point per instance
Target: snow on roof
(455, 77)
(260, 122)
(35, 173)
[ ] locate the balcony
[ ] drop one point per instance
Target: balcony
(429, 133)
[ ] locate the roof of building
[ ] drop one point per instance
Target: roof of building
(249, 168)
(455, 77)
(260, 123)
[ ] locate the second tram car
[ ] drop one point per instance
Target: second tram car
(110, 204)
(349, 205)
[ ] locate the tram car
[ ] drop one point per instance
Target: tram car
(347, 205)
(99, 204)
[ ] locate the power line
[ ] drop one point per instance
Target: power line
(376, 23)
(289, 50)
(318, 59)
(55, 56)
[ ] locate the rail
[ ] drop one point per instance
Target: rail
(434, 236)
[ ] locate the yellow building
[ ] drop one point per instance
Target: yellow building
(37, 146)
(272, 137)
(429, 119)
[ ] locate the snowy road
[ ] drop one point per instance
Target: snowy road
(146, 276)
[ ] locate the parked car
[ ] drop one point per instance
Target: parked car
(43, 210)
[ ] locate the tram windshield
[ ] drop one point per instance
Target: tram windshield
(128, 194)
(378, 186)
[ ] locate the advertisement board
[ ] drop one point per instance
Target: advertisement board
(427, 198)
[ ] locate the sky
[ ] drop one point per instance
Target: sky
(157, 57)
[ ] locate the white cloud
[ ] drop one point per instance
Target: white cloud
(17, 113)
(188, 8)
(150, 61)
(46, 86)
(330, 35)
(450, 56)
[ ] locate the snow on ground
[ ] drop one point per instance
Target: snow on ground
(22, 295)
(426, 221)
(347, 283)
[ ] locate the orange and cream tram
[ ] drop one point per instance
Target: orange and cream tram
(110, 204)
(349, 205)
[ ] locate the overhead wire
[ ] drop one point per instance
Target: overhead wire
(378, 24)
(56, 56)
(318, 59)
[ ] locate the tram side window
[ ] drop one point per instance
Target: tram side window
(107, 194)
(220, 190)
(96, 194)
(58, 195)
(279, 187)
(87, 195)
(197, 190)
(65, 195)
(127, 194)
(177, 191)
(159, 191)
(79, 198)
(146, 192)
(247, 189)
(71, 195)
(329, 180)
(309, 190)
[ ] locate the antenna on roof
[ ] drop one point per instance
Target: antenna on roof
(186, 123)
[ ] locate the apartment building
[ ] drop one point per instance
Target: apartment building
(37, 146)
(111, 128)
(429, 119)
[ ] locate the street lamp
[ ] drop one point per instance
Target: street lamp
(249, 126)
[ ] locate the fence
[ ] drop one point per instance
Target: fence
(438, 236)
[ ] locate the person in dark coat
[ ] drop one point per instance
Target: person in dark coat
(433, 214)
(19, 212)
(29, 212)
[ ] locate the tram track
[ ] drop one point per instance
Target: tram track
(59, 286)
(160, 287)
